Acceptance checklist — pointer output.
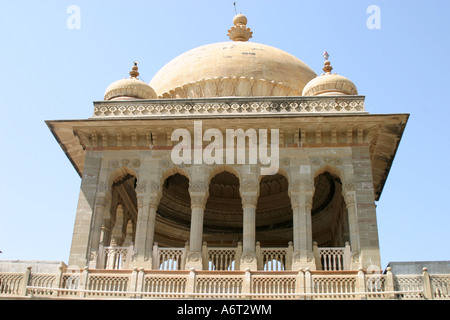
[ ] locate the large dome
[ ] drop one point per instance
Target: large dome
(235, 68)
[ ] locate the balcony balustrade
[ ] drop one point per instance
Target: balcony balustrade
(226, 258)
(136, 283)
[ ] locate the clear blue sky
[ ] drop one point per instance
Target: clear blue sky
(51, 72)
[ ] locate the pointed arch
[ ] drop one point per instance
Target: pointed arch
(173, 214)
(331, 169)
(223, 168)
(223, 214)
(329, 212)
(274, 210)
(119, 174)
(281, 171)
(123, 210)
(172, 171)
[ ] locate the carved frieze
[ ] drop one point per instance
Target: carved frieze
(198, 186)
(330, 161)
(194, 257)
(269, 105)
(82, 138)
(141, 186)
(248, 186)
(248, 258)
(301, 187)
(130, 163)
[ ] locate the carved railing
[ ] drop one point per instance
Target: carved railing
(275, 285)
(332, 259)
(165, 284)
(274, 259)
(11, 283)
(440, 286)
(168, 258)
(229, 106)
(225, 285)
(412, 285)
(157, 284)
(221, 259)
(228, 259)
(117, 258)
(332, 286)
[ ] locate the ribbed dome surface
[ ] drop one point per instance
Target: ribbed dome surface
(237, 68)
(130, 88)
(126, 89)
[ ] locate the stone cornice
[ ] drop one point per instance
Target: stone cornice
(380, 132)
(230, 106)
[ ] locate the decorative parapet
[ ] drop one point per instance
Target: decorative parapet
(156, 284)
(230, 106)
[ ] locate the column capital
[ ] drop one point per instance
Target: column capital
(350, 199)
(198, 201)
(198, 191)
(301, 199)
(249, 191)
(249, 200)
(148, 199)
(249, 186)
(101, 200)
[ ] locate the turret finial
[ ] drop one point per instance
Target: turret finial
(240, 32)
(327, 65)
(134, 71)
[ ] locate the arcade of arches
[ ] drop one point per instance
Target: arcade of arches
(223, 212)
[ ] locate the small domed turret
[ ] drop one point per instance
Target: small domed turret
(329, 83)
(130, 89)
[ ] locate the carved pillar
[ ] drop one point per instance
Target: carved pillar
(199, 195)
(81, 239)
(350, 202)
(129, 234)
(108, 219)
(301, 195)
(116, 233)
(249, 195)
(96, 247)
(145, 227)
(249, 209)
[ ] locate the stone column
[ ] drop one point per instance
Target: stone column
(102, 204)
(366, 250)
(199, 195)
(95, 248)
(301, 202)
(145, 229)
(82, 233)
(249, 195)
(350, 202)
(106, 227)
(249, 234)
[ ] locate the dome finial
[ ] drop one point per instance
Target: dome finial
(329, 83)
(240, 32)
(134, 71)
(327, 65)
